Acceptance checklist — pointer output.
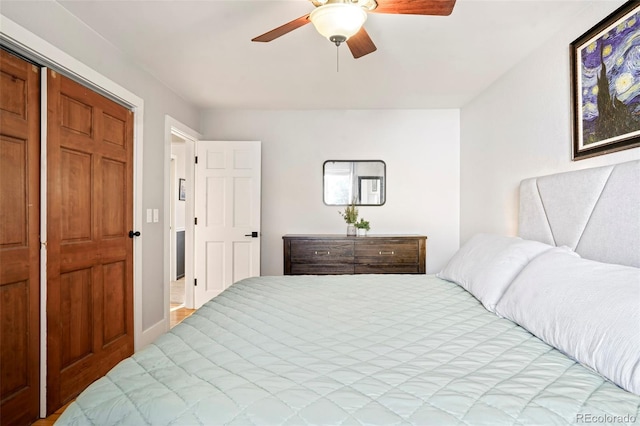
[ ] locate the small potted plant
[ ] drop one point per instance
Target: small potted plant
(350, 215)
(363, 227)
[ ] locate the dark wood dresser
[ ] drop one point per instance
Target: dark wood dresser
(322, 254)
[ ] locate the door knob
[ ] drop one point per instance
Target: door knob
(254, 234)
(134, 234)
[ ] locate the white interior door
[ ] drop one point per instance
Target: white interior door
(227, 207)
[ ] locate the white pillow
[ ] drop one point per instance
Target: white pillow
(487, 264)
(587, 309)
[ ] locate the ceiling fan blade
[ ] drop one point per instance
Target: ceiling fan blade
(283, 29)
(415, 7)
(361, 44)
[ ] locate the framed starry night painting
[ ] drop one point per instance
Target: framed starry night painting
(605, 70)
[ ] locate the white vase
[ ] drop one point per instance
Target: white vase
(362, 232)
(351, 230)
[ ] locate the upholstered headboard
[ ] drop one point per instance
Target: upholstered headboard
(595, 212)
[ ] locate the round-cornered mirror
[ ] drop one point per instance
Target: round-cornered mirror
(359, 181)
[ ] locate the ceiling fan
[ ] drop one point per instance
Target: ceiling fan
(341, 20)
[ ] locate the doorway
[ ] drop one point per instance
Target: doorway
(177, 222)
(180, 143)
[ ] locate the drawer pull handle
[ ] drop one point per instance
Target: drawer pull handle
(386, 252)
(322, 252)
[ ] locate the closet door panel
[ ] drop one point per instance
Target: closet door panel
(115, 290)
(90, 255)
(114, 199)
(14, 302)
(76, 290)
(19, 240)
(13, 177)
(75, 196)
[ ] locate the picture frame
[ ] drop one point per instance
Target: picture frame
(182, 190)
(605, 91)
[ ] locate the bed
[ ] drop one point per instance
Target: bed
(538, 329)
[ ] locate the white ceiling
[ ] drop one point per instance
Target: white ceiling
(203, 51)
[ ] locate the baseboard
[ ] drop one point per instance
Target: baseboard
(153, 332)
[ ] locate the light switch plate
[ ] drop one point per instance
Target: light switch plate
(149, 216)
(156, 215)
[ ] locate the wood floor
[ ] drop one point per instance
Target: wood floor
(49, 421)
(178, 313)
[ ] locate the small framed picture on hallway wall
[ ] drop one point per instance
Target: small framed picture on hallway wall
(182, 190)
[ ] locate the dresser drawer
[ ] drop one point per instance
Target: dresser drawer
(389, 252)
(322, 269)
(387, 269)
(321, 252)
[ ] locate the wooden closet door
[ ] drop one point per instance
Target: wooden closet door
(19, 240)
(90, 254)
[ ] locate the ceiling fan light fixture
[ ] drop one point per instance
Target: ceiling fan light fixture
(338, 21)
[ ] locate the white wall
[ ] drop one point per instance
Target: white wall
(51, 22)
(420, 148)
(521, 127)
